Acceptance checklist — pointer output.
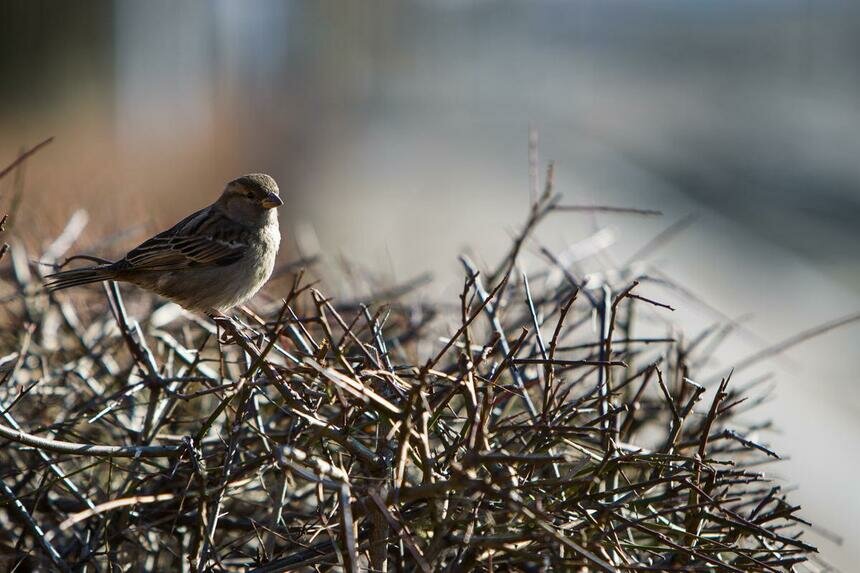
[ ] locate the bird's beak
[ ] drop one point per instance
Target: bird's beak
(271, 201)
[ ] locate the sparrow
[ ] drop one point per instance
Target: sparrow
(209, 262)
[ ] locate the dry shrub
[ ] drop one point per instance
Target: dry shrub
(540, 425)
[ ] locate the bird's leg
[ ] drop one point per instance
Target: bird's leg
(221, 366)
(218, 318)
(218, 334)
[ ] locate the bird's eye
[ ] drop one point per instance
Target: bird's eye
(249, 194)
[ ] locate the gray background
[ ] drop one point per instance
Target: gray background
(398, 132)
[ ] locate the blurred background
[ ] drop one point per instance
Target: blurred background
(399, 134)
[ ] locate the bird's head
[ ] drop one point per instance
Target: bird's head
(251, 198)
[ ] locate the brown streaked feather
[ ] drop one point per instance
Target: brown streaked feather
(207, 237)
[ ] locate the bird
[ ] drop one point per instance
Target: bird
(211, 261)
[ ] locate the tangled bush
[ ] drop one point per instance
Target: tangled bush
(538, 424)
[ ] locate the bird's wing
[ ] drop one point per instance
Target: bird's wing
(206, 238)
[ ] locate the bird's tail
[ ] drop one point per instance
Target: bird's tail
(77, 277)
